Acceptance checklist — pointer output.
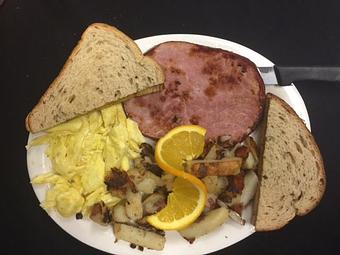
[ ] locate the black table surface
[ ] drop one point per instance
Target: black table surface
(37, 36)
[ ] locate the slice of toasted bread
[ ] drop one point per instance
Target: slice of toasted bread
(106, 66)
(291, 172)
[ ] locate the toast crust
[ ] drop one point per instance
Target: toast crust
(131, 44)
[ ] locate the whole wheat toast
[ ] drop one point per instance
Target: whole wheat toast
(105, 67)
(291, 172)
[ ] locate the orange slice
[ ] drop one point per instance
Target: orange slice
(185, 205)
(178, 145)
(187, 201)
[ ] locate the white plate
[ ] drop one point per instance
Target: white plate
(102, 238)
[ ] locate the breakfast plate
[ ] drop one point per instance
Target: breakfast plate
(101, 237)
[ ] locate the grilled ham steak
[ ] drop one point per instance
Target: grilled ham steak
(213, 88)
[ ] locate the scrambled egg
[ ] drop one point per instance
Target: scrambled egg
(82, 151)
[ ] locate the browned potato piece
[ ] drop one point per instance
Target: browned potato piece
(215, 184)
(250, 185)
(212, 154)
(252, 160)
(133, 205)
(154, 203)
(100, 214)
(242, 152)
(119, 214)
(147, 186)
(144, 180)
(225, 167)
(210, 204)
(211, 221)
(139, 236)
(168, 180)
(251, 144)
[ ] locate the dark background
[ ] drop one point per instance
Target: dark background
(37, 36)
